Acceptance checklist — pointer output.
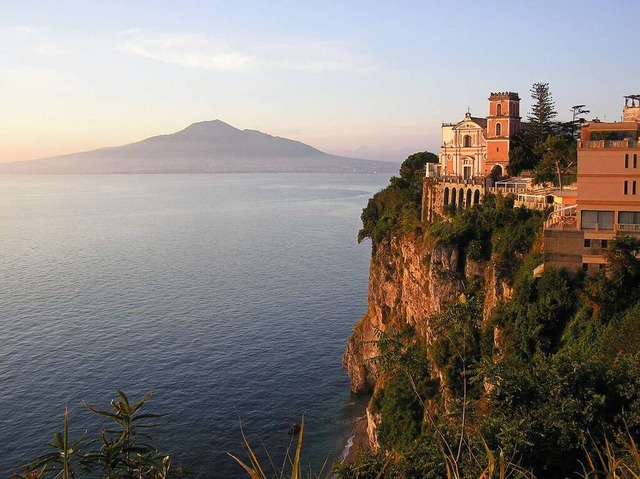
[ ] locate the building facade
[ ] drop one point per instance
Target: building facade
(608, 194)
(471, 150)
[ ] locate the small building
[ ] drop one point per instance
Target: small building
(608, 194)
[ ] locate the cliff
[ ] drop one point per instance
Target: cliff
(410, 280)
(412, 277)
(469, 343)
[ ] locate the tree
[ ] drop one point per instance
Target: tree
(412, 172)
(542, 112)
(522, 155)
(558, 160)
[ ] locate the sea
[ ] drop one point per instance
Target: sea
(228, 297)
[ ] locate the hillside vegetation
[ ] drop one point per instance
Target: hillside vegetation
(541, 383)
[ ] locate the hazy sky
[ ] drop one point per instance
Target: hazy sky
(356, 78)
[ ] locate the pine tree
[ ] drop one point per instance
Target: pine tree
(542, 112)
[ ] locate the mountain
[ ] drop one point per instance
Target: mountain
(204, 147)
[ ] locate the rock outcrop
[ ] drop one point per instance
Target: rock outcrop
(409, 281)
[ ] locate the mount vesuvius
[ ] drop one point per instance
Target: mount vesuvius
(204, 147)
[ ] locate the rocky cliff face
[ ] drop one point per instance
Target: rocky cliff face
(409, 281)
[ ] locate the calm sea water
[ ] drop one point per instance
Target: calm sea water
(227, 296)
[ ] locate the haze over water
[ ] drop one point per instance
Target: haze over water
(224, 295)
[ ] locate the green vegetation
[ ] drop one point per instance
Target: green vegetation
(291, 468)
(493, 229)
(396, 209)
(125, 451)
(541, 383)
(547, 385)
(546, 147)
(542, 113)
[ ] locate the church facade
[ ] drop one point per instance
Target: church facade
(472, 150)
(479, 147)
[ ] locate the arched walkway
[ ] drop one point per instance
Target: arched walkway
(476, 197)
(468, 202)
(461, 198)
(446, 196)
(453, 196)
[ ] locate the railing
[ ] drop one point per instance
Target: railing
(457, 179)
(562, 218)
(599, 144)
(533, 202)
(628, 227)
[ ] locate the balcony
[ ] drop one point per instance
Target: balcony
(601, 144)
(629, 228)
(562, 219)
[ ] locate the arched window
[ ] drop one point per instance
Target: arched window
(466, 141)
(499, 109)
(446, 196)
(498, 129)
(453, 196)
(460, 197)
(468, 203)
(476, 197)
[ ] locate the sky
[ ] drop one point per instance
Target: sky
(367, 79)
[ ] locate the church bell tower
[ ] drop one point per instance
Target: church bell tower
(502, 123)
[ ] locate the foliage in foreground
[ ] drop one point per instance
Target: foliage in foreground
(125, 451)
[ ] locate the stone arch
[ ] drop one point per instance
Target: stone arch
(461, 197)
(453, 196)
(476, 197)
(446, 196)
(468, 201)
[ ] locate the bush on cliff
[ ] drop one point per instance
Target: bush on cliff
(396, 208)
(493, 227)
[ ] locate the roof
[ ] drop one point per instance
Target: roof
(615, 126)
(480, 121)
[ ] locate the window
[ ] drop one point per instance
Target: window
(585, 267)
(601, 220)
(498, 129)
(601, 266)
(629, 217)
(466, 141)
(604, 244)
(587, 243)
(633, 187)
(635, 160)
(626, 161)
(626, 187)
(499, 110)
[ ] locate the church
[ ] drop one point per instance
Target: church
(479, 147)
(473, 153)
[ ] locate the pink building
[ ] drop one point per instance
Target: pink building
(608, 199)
